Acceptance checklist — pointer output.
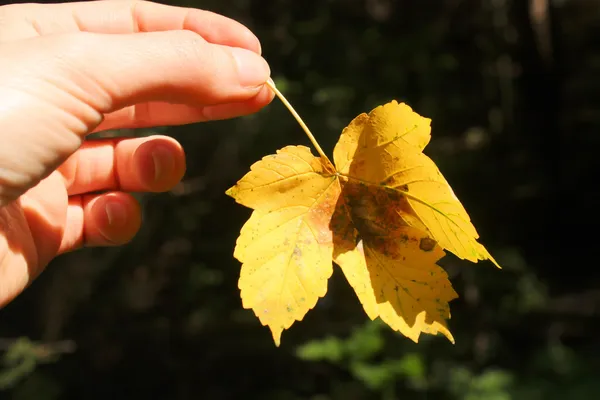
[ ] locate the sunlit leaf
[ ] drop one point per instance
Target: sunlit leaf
(378, 150)
(286, 245)
(384, 214)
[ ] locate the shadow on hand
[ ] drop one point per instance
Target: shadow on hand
(31, 231)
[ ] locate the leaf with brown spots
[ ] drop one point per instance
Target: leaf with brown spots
(397, 281)
(384, 151)
(383, 213)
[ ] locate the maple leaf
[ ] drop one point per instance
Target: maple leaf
(391, 266)
(286, 245)
(378, 149)
(383, 213)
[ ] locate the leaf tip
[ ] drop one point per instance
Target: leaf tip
(485, 255)
(495, 262)
(276, 332)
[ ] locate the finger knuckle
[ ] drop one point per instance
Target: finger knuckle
(187, 44)
(195, 53)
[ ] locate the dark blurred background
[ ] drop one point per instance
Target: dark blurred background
(513, 89)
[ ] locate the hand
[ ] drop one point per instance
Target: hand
(68, 70)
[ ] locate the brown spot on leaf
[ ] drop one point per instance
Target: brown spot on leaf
(297, 252)
(427, 244)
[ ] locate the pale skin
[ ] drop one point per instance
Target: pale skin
(69, 70)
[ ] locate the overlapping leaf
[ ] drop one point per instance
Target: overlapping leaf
(286, 245)
(391, 266)
(384, 213)
(384, 149)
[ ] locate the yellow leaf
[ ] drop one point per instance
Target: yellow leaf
(384, 214)
(289, 177)
(286, 245)
(391, 266)
(409, 293)
(385, 124)
(376, 152)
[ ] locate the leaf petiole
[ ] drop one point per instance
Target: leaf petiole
(281, 97)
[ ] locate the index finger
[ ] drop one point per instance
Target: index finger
(129, 16)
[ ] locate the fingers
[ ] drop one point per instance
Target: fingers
(230, 110)
(174, 67)
(161, 114)
(108, 219)
(130, 17)
(150, 164)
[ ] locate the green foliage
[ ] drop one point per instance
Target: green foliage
(492, 384)
(364, 342)
(22, 356)
(361, 354)
(19, 361)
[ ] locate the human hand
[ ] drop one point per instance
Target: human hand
(68, 70)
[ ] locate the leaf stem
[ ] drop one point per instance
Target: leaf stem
(271, 84)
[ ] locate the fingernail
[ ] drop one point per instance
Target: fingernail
(164, 162)
(253, 70)
(116, 214)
